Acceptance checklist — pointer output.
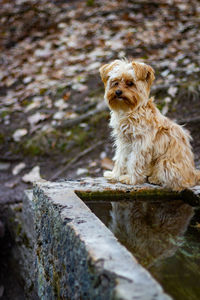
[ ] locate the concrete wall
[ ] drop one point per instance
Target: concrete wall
(77, 256)
(65, 252)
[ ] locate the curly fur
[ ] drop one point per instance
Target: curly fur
(149, 146)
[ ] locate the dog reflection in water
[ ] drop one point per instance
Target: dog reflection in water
(150, 230)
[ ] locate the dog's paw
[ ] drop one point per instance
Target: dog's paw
(154, 180)
(110, 176)
(126, 179)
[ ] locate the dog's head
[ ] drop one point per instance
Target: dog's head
(127, 84)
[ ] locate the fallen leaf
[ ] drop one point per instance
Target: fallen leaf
(60, 104)
(172, 91)
(79, 87)
(33, 175)
(66, 96)
(165, 73)
(167, 99)
(107, 163)
(42, 53)
(19, 133)
(32, 106)
(93, 66)
(102, 154)
(70, 115)
(18, 168)
(59, 115)
(36, 118)
(57, 75)
(93, 164)
(27, 80)
(165, 109)
(81, 171)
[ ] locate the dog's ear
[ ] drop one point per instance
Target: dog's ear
(104, 72)
(144, 72)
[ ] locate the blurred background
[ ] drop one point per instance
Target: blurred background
(53, 119)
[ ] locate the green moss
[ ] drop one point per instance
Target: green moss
(81, 138)
(18, 208)
(190, 85)
(95, 92)
(11, 220)
(5, 113)
(98, 117)
(43, 91)
(25, 240)
(56, 285)
(118, 195)
(39, 70)
(38, 252)
(56, 141)
(81, 78)
(60, 91)
(90, 2)
(41, 143)
(32, 149)
(78, 138)
(2, 138)
(25, 102)
(53, 141)
(18, 229)
(160, 105)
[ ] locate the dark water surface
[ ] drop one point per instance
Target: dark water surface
(163, 235)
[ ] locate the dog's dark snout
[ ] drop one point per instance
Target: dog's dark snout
(118, 92)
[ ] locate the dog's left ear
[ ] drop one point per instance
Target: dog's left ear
(104, 73)
(143, 72)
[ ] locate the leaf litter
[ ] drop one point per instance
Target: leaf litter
(51, 53)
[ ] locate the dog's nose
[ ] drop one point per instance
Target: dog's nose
(118, 92)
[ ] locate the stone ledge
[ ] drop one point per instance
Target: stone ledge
(77, 256)
(69, 253)
(92, 188)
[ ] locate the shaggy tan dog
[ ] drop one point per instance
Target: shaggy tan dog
(149, 146)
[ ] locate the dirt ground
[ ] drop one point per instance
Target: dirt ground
(50, 56)
(52, 114)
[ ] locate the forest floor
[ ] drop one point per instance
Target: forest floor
(52, 113)
(53, 120)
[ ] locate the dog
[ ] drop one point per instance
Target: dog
(149, 146)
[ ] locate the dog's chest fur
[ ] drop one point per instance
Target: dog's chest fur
(132, 129)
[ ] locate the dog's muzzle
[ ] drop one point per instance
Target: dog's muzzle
(118, 93)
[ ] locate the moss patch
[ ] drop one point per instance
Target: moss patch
(118, 195)
(55, 141)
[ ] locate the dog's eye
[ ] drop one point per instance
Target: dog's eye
(115, 83)
(130, 83)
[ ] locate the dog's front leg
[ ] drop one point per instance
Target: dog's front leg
(135, 172)
(120, 159)
(112, 175)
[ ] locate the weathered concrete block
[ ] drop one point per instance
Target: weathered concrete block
(77, 256)
(63, 251)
